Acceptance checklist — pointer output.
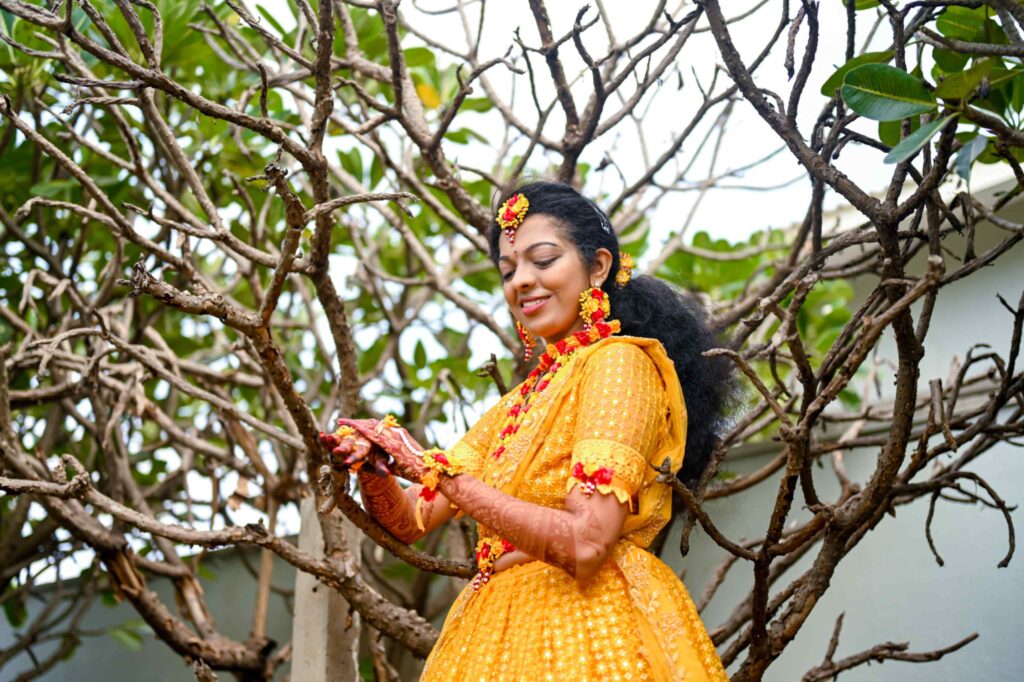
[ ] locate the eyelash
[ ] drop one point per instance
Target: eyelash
(540, 264)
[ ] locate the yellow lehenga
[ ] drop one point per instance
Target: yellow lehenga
(616, 404)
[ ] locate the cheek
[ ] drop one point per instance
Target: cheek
(510, 296)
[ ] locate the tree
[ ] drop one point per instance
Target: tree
(192, 190)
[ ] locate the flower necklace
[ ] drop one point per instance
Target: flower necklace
(555, 356)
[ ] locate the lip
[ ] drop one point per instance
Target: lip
(533, 304)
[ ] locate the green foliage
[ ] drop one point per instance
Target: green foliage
(130, 634)
(835, 81)
(960, 83)
(885, 93)
(919, 138)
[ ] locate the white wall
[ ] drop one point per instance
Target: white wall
(890, 587)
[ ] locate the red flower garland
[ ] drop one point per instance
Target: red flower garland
(553, 359)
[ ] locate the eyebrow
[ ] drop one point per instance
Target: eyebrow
(530, 248)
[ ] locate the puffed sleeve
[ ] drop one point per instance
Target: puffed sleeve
(471, 450)
(622, 407)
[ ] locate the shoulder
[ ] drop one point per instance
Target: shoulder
(626, 354)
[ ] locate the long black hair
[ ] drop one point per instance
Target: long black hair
(647, 307)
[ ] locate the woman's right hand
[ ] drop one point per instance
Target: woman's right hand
(406, 454)
(354, 451)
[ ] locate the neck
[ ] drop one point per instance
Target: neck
(572, 330)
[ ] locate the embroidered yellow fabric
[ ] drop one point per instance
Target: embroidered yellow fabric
(626, 463)
(617, 404)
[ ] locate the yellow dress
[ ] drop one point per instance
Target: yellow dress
(616, 404)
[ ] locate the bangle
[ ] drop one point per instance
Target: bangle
(488, 549)
(436, 462)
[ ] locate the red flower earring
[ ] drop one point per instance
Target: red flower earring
(528, 341)
(594, 309)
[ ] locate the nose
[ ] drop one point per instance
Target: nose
(523, 279)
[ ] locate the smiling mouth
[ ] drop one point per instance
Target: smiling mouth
(533, 305)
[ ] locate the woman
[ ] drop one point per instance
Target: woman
(558, 474)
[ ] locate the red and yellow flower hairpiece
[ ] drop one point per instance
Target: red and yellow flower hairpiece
(512, 214)
(625, 272)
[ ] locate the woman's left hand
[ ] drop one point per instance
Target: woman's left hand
(407, 456)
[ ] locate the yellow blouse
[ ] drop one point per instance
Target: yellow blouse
(616, 404)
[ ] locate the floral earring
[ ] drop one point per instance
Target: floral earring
(528, 341)
(594, 307)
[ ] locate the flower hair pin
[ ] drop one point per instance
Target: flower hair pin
(512, 214)
(625, 272)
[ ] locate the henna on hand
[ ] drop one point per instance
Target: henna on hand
(577, 539)
(387, 502)
(407, 454)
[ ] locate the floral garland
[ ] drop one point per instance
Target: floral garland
(554, 358)
(487, 552)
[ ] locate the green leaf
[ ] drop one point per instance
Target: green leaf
(967, 154)
(960, 84)
(910, 146)
(950, 61)
(376, 171)
(418, 56)
(885, 93)
(368, 358)
(480, 104)
(52, 188)
(835, 81)
(419, 356)
(352, 162)
(126, 637)
(1000, 75)
(962, 23)
(14, 609)
(889, 131)
(463, 135)
(272, 21)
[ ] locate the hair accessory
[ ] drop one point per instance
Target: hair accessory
(625, 272)
(512, 214)
(528, 341)
(594, 308)
(602, 218)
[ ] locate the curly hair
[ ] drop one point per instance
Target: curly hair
(647, 307)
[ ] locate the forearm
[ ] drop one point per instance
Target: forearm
(577, 539)
(395, 507)
(387, 502)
